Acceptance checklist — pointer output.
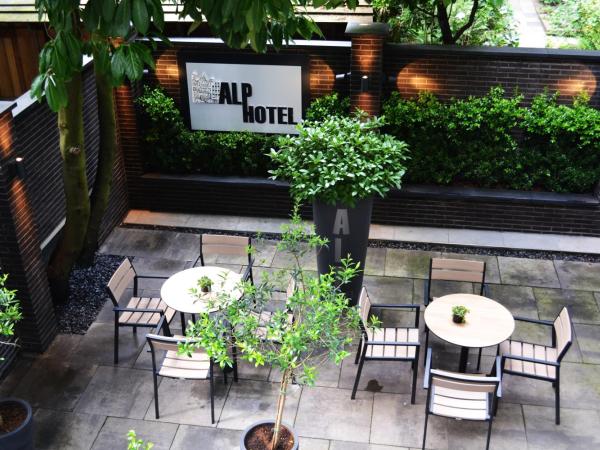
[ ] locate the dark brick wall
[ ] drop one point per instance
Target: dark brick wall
(463, 71)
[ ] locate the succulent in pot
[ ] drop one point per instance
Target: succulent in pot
(314, 324)
(458, 313)
(205, 284)
(339, 164)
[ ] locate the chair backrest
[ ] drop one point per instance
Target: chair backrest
(364, 305)
(457, 270)
(469, 384)
(563, 331)
(123, 277)
(291, 288)
(221, 244)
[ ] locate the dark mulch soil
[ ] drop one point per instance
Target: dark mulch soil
(259, 438)
(13, 415)
(87, 294)
(378, 243)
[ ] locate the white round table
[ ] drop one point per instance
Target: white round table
(488, 323)
(175, 292)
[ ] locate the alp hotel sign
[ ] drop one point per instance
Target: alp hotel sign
(244, 97)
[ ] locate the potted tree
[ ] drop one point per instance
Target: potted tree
(16, 418)
(340, 164)
(316, 324)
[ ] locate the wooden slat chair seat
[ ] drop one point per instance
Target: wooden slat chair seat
(140, 311)
(461, 396)
(197, 367)
(145, 318)
(540, 362)
(386, 343)
(444, 269)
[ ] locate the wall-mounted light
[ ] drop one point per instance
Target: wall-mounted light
(17, 167)
(342, 76)
(364, 83)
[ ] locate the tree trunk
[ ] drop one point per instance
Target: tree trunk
(106, 158)
(444, 22)
(70, 126)
(285, 379)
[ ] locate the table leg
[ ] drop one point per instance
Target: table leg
(464, 357)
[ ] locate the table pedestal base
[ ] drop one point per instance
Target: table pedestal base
(464, 357)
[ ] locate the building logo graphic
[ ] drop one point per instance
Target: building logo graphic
(205, 89)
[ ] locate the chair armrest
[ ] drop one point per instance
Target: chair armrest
(531, 360)
(427, 372)
(156, 277)
(394, 344)
(539, 322)
(499, 375)
(138, 277)
(134, 310)
(392, 306)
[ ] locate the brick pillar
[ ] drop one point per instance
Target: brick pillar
(20, 254)
(366, 60)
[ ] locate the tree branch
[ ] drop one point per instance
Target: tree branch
(469, 23)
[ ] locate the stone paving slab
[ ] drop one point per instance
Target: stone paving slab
(582, 305)
(578, 275)
(65, 430)
(408, 263)
(588, 337)
(519, 300)
(113, 434)
(189, 437)
(528, 272)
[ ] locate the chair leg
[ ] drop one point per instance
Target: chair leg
(358, 372)
(182, 317)
(155, 395)
(426, 343)
(116, 339)
(235, 364)
(557, 401)
(358, 351)
(212, 396)
(415, 365)
(425, 429)
(479, 360)
(134, 330)
(489, 435)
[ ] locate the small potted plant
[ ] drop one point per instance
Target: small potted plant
(317, 320)
(458, 313)
(205, 284)
(339, 164)
(16, 417)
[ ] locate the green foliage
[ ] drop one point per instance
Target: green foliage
(578, 19)
(492, 141)
(328, 106)
(10, 311)
(588, 24)
(418, 21)
(341, 159)
(133, 443)
(172, 147)
(460, 311)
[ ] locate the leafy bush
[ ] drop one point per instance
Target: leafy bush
(170, 146)
(575, 19)
(328, 106)
(588, 24)
(341, 159)
(492, 141)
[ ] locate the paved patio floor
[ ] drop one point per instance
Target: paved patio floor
(83, 401)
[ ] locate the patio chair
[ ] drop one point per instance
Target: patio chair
(221, 244)
(386, 344)
(540, 362)
(442, 269)
(461, 396)
(142, 312)
(199, 367)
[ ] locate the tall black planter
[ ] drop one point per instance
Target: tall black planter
(347, 230)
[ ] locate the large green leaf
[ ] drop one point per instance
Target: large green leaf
(122, 18)
(139, 14)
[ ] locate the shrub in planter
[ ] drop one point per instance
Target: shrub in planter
(16, 430)
(315, 325)
(340, 164)
(328, 106)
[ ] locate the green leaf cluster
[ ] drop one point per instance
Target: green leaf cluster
(133, 443)
(494, 141)
(331, 105)
(172, 147)
(340, 160)
(10, 310)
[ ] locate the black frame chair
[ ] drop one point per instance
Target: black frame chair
(214, 244)
(562, 338)
(364, 344)
(447, 269)
(450, 382)
(184, 371)
(148, 315)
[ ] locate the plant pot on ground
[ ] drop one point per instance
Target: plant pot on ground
(258, 436)
(16, 419)
(315, 324)
(339, 164)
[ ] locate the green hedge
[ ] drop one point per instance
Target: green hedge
(493, 141)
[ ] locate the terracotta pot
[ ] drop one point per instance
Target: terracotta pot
(22, 437)
(248, 430)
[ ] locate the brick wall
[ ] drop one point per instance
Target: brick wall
(463, 71)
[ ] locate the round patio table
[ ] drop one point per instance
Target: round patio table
(488, 323)
(175, 292)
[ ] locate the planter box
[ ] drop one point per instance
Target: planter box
(435, 206)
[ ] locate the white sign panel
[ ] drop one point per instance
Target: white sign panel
(244, 97)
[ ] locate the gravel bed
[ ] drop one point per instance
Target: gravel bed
(87, 294)
(378, 243)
